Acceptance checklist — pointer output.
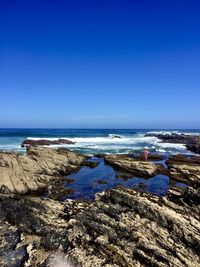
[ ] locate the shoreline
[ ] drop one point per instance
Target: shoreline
(115, 222)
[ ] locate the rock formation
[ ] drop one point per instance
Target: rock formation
(45, 142)
(184, 169)
(126, 228)
(133, 166)
(192, 142)
(33, 171)
(121, 228)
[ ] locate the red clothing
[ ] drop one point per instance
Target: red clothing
(146, 152)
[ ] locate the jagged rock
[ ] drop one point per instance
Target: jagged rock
(126, 228)
(184, 169)
(42, 217)
(189, 198)
(121, 228)
(33, 171)
(45, 142)
(135, 167)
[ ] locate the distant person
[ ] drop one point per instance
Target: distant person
(146, 152)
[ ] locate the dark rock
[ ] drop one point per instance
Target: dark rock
(45, 142)
(91, 164)
(43, 217)
(15, 258)
(69, 180)
(192, 142)
(102, 181)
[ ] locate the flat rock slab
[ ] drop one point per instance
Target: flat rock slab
(134, 166)
(33, 171)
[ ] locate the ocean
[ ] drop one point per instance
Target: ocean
(96, 141)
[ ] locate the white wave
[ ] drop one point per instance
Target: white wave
(46, 138)
(191, 133)
(160, 150)
(164, 132)
(171, 145)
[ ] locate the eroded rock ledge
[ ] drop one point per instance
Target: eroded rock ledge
(134, 166)
(33, 171)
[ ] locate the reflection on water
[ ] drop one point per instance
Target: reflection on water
(87, 181)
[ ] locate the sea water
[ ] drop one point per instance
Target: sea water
(95, 141)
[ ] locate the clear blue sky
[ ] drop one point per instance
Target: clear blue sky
(96, 64)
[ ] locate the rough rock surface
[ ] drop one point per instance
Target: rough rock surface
(126, 228)
(184, 169)
(45, 142)
(121, 228)
(133, 166)
(33, 171)
(44, 224)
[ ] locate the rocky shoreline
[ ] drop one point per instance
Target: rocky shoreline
(192, 142)
(120, 228)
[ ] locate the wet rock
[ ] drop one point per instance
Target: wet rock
(91, 164)
(15, 258)
(69, 180)
(192, 142)
(127, 228)
(102, 181)
(135, 167)
(45, 142)
(194, 147)
(33, 171)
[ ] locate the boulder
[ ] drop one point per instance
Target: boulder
(46, 142)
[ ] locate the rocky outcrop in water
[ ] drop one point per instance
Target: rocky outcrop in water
(192, 142)
(33, 171)
(45, 142)
(134, 166)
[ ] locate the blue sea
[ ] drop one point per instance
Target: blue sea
(95, 141)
